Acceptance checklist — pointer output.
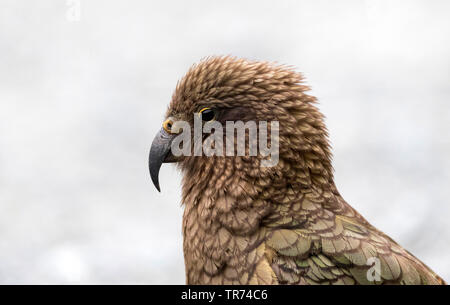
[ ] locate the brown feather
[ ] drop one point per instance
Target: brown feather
(244, 224)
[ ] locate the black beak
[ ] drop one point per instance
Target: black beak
(159, 154)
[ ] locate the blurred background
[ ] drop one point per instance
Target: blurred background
(84, 86)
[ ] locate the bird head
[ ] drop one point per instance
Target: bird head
(226, 89)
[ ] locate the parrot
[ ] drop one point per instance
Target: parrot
(248, 224)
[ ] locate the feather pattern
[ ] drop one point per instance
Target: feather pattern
(287, 224)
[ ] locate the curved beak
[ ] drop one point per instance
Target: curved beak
(159, 154)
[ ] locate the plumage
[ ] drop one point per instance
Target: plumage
(287, 224)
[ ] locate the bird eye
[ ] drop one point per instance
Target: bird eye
(207, 114)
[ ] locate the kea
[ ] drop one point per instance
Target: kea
(245, 223)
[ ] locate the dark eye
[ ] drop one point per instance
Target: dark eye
(207, 114)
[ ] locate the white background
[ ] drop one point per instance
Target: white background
(80, 102)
